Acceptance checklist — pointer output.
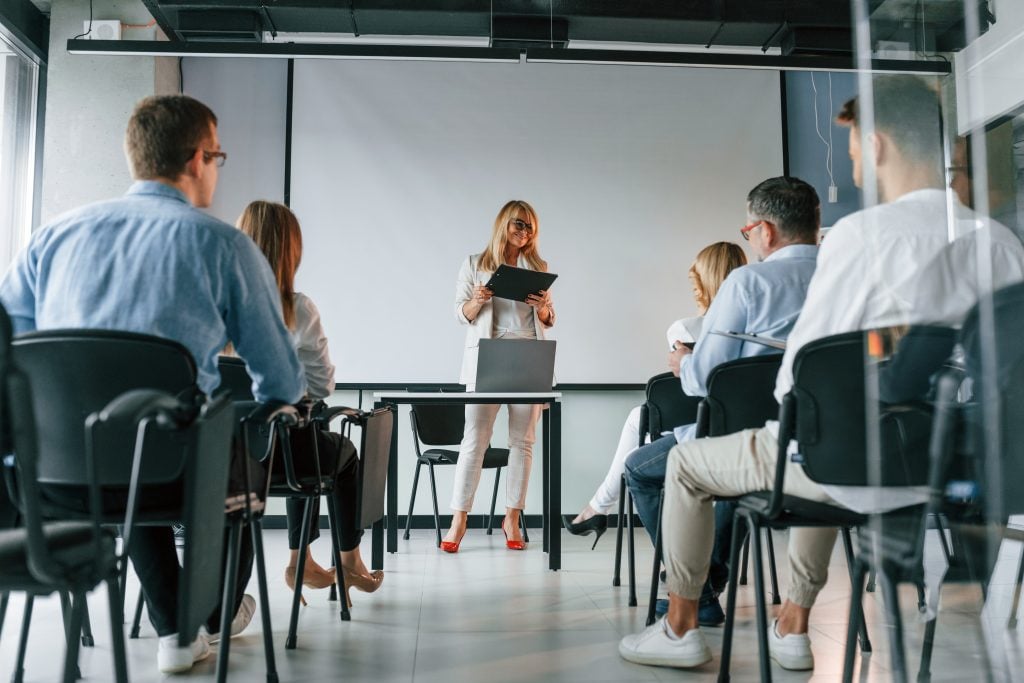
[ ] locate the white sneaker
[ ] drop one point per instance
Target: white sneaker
(242, 618)
(654, 646)
(172, 659)
(792, 652)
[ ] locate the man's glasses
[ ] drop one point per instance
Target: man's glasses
(745, 230)
(219, 157)
(521, 226)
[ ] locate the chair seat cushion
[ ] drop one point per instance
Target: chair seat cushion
(801, 511)
(71, 544)
(493, 457)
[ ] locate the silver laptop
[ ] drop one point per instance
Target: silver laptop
(526, 365)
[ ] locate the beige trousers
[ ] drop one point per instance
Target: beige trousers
(522, 432)
(732, 465)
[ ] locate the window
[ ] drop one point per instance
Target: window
(19, 78)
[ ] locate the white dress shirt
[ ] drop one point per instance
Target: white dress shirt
(894, 264)
(311, 345)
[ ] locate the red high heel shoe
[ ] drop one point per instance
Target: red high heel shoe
(510, 544)
(452, 546)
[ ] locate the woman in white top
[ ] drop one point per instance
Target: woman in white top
(513, 242)
(275, 230)
(709, 270)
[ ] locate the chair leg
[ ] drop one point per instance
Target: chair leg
(947, 552)
(761, 609)
(891, 599)
(617, 575)
(87, 639)
(924, 673)
(256, 528)
(65, 612)
(72, 639)
(743, 562)
(228, 600)
(772, 573)
(116, 630)
(412, 499)
(656, 565)
(26, 622)
(730, 602)
(870, 588)
(339, 573)
(293, 620)
(433, 498)
(5, 599)
(851, 564)
(137, 618)
(1012, 623)
(857, 573)
(494, 501)
(631, 546)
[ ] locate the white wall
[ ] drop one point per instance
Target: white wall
(990, 71)
(88, 102)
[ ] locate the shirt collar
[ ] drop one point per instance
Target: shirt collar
(155, 187)
(793, 251)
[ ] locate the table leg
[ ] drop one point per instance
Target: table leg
(545, 437)
(555, 487)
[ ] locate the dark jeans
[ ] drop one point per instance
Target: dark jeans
(337, 456)
(153, 554)
(645, 476)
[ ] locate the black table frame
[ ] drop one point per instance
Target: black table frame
(551, 438)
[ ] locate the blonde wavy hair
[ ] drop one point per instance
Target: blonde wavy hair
(494, 255)
(709, 270)
(275, 230)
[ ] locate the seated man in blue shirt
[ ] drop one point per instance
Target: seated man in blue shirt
(151, 262)
(762, 298)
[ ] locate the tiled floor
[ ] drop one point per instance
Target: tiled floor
(490, 615)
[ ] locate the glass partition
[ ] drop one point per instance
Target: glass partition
(18, 97)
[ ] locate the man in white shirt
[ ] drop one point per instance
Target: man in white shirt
(908, 260)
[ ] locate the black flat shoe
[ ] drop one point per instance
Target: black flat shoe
(597, 524)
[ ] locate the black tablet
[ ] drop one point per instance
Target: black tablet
(518, 283)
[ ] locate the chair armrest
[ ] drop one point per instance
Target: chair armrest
(282, 414)
(325, 414)
(703, 418)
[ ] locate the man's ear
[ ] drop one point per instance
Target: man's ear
(194, 165)
(880, 143)
(771, 233)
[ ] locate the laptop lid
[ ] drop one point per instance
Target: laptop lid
(516, 365)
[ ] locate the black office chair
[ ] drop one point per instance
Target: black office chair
(826, 412)
(76, 372)
(978, 442)
(740, 396)
(437, 425)
(665, 408)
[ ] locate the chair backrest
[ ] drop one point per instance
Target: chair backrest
(234, 378)
(667, 407)
(828, 413)
(740, 396)
(76, 372)
(436, 424)
(996, 423)
(375, 453)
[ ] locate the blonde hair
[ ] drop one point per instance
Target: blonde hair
(712, 265)
(275, 230)
(494, 255)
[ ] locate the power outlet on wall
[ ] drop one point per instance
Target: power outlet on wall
(102, 29)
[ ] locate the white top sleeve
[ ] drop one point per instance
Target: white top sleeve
(311, 347)
(686, 330)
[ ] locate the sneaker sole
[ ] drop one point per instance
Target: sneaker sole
(674, 662)
(793, 663)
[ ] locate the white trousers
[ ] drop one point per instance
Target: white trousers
(522, 432)
(607, 494)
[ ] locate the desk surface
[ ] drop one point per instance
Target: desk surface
(457, 396)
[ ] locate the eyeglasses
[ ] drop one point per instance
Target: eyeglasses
(745, 230)
(220, 157)
(520, 225)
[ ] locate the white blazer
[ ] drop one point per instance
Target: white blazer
(482, 327)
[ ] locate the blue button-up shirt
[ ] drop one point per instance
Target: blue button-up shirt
(762, 298)
(150, 262)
